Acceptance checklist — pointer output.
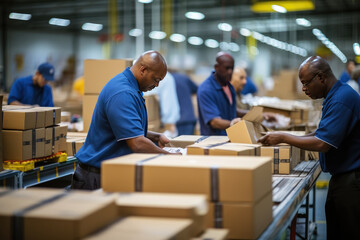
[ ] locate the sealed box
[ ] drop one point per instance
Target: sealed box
(73, 145)
(24, 145)
(244, 220)
(190, 206)
(232, 149)
(62, 140)
(89, 102)
(152, 108)
(213, 234)
(144, 228)
(98, 72)
(184, 140)
(56, 138)
(220, 178)
(48, 149)
(19, 119)
(52, 115)
(284, 157)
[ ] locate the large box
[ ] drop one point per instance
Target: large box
(232, 149)
(189, 206)
(225, 178)
(245, 220)
(19, 119)
(24, 145)
(89, 102)
(98, 72)
(52, 115)
(249, 129)
(285, 157)
(213, 234)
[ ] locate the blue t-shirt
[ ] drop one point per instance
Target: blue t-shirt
(340, 128)
(24, 91)
(345, 76)
(119, 114)
(249, 87)
(213, 103)
(184, 89)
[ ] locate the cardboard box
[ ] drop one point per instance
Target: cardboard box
(224, 178)
(245, 220)
(152, 108)
(48, 149)
(285, 157)
(15, 201)
(62, 140)
(188, 206)
(52, 115)
(73, 216)
(24, 145)
(214, 139)
(213, 234)
(73, 145)
(98, 72)
(224, 149)
(89, 102)
(297, 116)
(249, 129)
(145, 228)
(56, 138)
(19, 119)
(184, 140)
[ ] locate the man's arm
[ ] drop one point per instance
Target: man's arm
(159, 138)
(219, 123)
(142, 144)
(307, 142)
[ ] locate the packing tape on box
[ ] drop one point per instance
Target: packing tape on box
(54, 116)
(18, 220)
(73, 146)
(207, 148)
(139, 172)
(276, 160)
(214, 180)
(201, 139)
(218, 219)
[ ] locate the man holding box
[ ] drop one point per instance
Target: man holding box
(119, 122)
(337, 138)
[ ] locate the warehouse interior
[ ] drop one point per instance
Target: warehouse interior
(88, 42)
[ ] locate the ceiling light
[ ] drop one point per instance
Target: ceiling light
(211, 43)
(20, 16)
(317, 32)
(330, 45)
(144, 1)
(356, 47)
(245, 32)
(224, 46)
(92, 27)
(135, 32)
(261, 6)
(303, 22)
(195, 15)
(278, 8)
(225, 27)
(195, 41)
(59, 22)
(234, 47)
(157, 35)
(176, 37)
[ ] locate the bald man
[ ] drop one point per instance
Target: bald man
(337, 138)
(119, 122)
(238, 81)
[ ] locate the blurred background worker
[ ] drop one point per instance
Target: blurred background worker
(346, 75)
(33, 90)
(185, 88)
(239, 81)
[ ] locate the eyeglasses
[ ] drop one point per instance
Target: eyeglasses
(305, 84)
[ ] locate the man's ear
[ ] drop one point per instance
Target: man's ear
(142, 70)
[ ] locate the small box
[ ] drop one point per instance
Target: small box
(285, 157)
(52, 115)
(19, 119)
(89, 103)
(224, 149)
(184, 140)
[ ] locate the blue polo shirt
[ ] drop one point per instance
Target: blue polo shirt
(213, 103)
(119, 114)
(24, 91)
(340, 127)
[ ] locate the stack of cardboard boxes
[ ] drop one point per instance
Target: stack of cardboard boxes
(32, 132)
(238, 189)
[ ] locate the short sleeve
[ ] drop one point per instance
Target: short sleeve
(123, 113)
(48, 99)
(207, 106)
(15, 92)
(336, 123)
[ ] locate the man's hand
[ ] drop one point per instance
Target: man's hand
(163, 140)
(234, 121)
(272, 138)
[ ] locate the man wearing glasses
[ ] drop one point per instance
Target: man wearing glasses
(337, 138)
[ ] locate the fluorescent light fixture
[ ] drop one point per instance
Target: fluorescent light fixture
(356, 47)
(225, 27)
(245, 32)
(145, 1)
(135, 32)
(303, 22)
(278, 8)
(59, 22)
(195, 15)
(224, 46)
(176, 37)
(20, 16)
(317, 32)
(211, 43)
(92, 27)
(157, 35)
(195, 41)
(234, 47)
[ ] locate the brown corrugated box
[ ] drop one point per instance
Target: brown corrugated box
(249, 129)
(24, 145)
(89, 102)
(152, 107)
(19, 119)
(56, 138)
(48, 150)
(62, 140)
(191, 206)
(224, 149)
(213, 234)
(297, 116)
(52, 115)
(185, 140)
(245, 220)
(73, 145)
(224, 178)
(98, 72)
(145, 228)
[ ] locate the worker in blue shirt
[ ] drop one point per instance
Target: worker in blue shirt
(119, 122)
(337, 138)
(346, 75)
(33, 90)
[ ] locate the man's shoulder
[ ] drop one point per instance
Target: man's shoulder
(24, 80)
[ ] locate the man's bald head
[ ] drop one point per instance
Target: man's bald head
(223, 56)
(315, 64)
(224, 68)
(238, 79)
(149, 69)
